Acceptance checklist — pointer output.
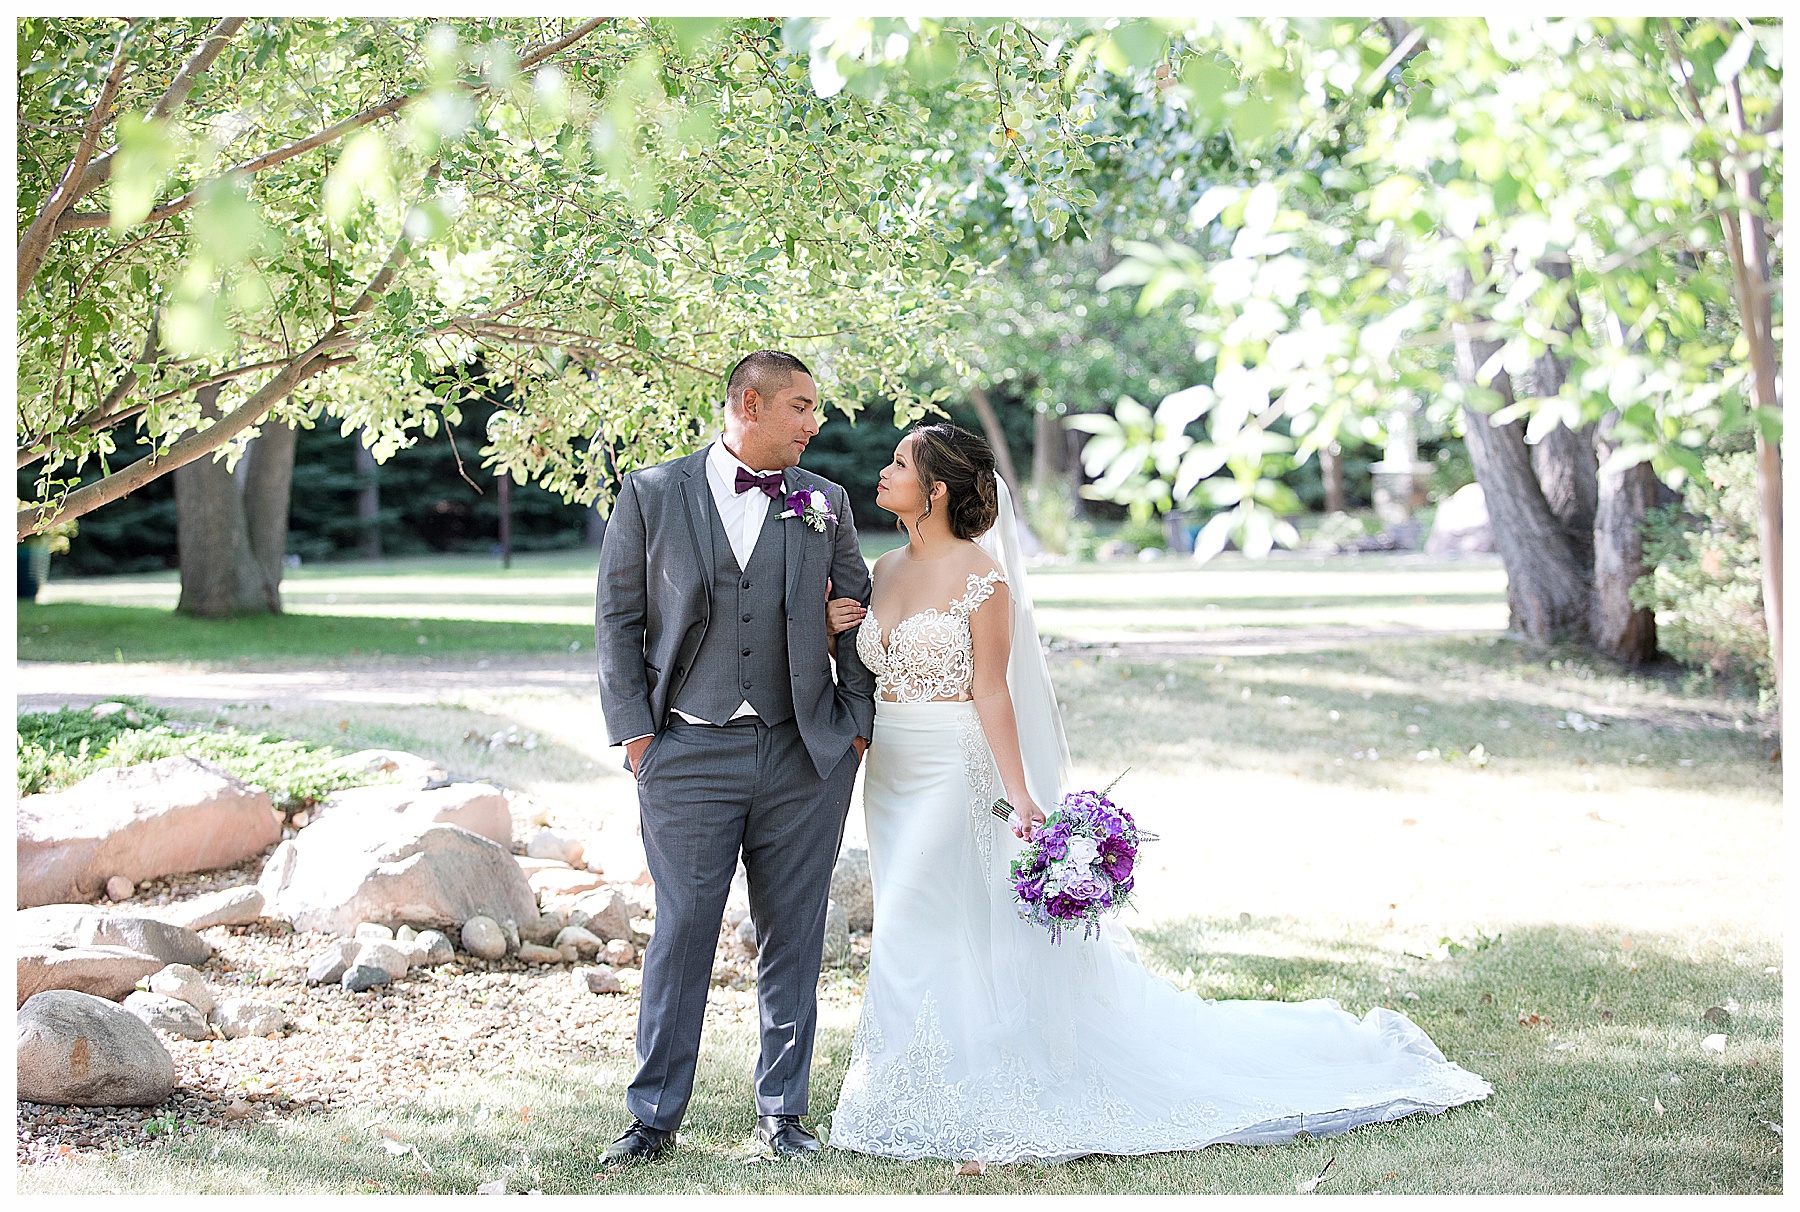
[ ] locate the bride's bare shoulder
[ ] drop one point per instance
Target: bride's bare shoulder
(975, 562)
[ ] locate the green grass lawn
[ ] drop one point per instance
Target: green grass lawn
(1575, 1109)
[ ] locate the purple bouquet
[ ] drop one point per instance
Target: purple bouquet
(1078, 864)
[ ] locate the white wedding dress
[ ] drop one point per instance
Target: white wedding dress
(980, 1038)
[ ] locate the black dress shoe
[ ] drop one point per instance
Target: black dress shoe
(785, 1136)
(640, 1143)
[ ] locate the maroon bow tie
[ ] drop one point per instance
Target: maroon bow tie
(769, 482)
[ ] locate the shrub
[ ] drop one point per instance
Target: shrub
(1706, 587)
(58, 748)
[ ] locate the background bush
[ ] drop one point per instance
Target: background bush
(1707, 585)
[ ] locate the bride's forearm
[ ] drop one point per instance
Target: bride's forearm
(1001, 728)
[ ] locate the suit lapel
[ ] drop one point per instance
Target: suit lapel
(794, 537)
(696, 500)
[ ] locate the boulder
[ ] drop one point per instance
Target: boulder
(391, 958)
(227, 907)
(405, 768)
(549, 844)
(605, 913)
(107, 972)
(483, 938)
(586, 943)
(168, 1014)
(853, 889)
(478, 807)
(238, 1017)
(184, 984)
(333, 875)
(1461, 524)
(159, 818)
(437, 948)
(837, 935)
(88, 926)
(79, 1050)
(563, 883)
(328, 966)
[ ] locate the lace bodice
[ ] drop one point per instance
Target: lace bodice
(927, 656)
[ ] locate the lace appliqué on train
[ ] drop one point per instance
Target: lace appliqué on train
(928, 656)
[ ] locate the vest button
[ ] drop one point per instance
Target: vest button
(746, 685)
(746, 584)
(746, 652)
(746, 618)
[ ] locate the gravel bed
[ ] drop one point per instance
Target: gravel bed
(340, 1049)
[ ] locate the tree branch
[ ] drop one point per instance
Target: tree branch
(35, 246)
(79, 220)
(173, 98)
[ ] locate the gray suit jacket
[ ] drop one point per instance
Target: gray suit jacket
(654, 604)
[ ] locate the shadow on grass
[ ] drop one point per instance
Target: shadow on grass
(1575, 1107)
(75, 632)
(1319, 709)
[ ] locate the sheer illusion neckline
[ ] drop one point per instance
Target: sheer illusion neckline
(958, 609)
(927, 656)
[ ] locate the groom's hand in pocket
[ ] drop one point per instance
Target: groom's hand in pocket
(862, 747)
(634, 751)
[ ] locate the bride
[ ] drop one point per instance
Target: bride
(979, 1037)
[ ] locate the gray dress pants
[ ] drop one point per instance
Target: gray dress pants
(705, 795)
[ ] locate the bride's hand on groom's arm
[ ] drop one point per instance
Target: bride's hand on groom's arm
(841, 614)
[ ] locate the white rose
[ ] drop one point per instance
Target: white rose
(818, 501)
(1082, 852)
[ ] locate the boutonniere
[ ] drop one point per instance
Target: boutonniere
(810, 506)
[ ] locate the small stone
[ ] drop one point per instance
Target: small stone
(605, 913)
(586, 943)
(734, 917)
(185, 984)
(542, 931)
(1717, 1015)
(600, 979)
(483, 938)
(242, 1016)
(372, 930)
(549, 844)
(169, 1014)
(438, 948)
(746, 935)
(1713, 1043)
(118, 888)
(389, 957)
(619, 953)
(405, 934)
(531, 953)
(365, 976)
(328, 966)
(510, 929)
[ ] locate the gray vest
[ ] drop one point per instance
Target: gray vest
(745, 654)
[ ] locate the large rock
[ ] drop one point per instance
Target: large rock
(166, 817)
(169, 1014)
(87, 926)
(227, 907)
(336, 873)
(853, 889)
(81, 1050)
(406, 768)
(401, 807)
(108, 972)
(1461, 524)
(606, 913)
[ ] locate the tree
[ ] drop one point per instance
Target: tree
(605, 212)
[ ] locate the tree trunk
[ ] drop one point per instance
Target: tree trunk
(1331, 470)
(220, 575)
(1622, 631)
(1548, 584)
(368, 502)
(1003, 463)
(1564, 459)
(1047, 451)
(505, 503)
(268, 484)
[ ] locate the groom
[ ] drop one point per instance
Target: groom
(714, 675)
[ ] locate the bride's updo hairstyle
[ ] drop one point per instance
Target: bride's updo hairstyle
(964, 463)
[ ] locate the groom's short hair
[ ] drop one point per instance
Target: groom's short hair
(767, 370)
